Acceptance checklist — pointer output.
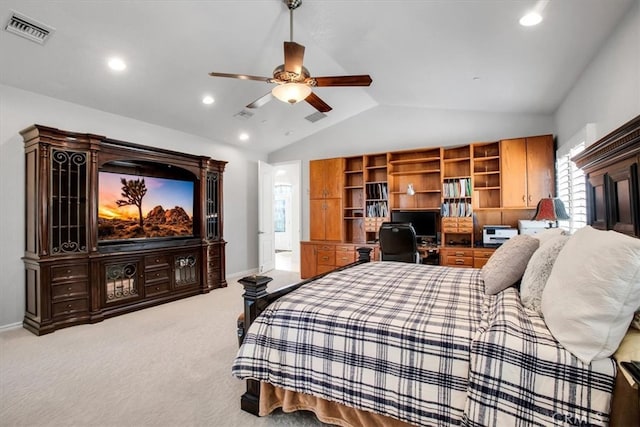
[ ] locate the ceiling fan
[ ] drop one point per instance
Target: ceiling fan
(294, 82)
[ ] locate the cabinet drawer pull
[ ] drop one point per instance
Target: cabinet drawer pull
(157, 288)
(69, 288)
(69, 306)
(324, 258)
(157, 274)
(459, 261)
(157, 260)
(459, 253)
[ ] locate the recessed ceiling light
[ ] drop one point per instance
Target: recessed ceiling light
(116, 64)
(243, 136)
(530, 19)
(208, 100)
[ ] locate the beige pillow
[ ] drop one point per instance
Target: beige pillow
(548, 234)
(508, 263)
(538, 271)
(593, 291)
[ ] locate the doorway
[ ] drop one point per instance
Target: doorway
(286, 215)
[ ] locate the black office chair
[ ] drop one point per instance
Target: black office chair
(398, 242)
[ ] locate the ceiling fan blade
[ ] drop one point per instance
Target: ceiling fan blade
(318, 103)
(261, 101)
(361, 80)
(293, 56)
(242, 77)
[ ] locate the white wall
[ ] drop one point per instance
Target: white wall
(20, 109)
(389, 128)
(607, 93)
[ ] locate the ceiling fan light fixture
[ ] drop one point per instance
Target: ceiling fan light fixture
(291, 93)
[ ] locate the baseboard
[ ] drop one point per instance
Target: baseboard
(241, 274)
(10, 326)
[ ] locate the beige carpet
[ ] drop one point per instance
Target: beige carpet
(168, 365)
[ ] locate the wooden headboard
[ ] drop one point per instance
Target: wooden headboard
(613, 189)
(613, 203)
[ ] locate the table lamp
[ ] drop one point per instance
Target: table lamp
(550, 209)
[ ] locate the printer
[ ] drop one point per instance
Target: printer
(532, 227)
(495, 235)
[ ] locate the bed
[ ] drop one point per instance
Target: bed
(417, 348)
(395, 344)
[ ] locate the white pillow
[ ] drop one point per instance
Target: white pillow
(538, 271)
(593, 292)
(548, 234)
(507, 264)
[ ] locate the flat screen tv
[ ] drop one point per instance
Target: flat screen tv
(143, 207)
(424, 222)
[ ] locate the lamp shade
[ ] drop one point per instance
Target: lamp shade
(291, 92)
(550, 209)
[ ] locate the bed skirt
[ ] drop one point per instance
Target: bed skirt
(272, 398)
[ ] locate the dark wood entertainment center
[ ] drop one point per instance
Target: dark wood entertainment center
(72, 276)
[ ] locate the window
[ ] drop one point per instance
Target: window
(572, 189)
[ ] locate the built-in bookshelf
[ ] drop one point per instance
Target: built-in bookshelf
(377, 194)
(353, 204)
(486, 175)
(415, 179)
(456, 206)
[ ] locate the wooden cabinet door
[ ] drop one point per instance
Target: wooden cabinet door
(326, 178)
(317, 209)
(334, 178)
(333, 220)
(316, 179)
(307, 260)
(513, 170)
(540, 169)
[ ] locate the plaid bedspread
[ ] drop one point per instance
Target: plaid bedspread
(390, 338)
(520, 376)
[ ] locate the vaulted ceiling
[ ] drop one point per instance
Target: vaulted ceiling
(444, 54)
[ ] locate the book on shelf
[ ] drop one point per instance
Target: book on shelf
(377, 209)
(456, 209)
(460, 187)
(377, 191)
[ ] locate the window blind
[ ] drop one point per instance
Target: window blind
(571, 189)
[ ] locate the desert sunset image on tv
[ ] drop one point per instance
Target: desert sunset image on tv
(132, 207)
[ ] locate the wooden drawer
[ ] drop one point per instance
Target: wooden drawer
(151, 262)
(156, 289)
(370, 225)
(66, 272)
(64, 308)
(325, 248)
(481, 256)
(479, 262)
(461, 252)
(459, 261)
(449, 228)
(465, 222)
(483, 253)
(69, 290)
(344, 258)
(159, 275)
(344, 248)
(327, 258)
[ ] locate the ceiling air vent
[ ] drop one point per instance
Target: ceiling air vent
(243, 115)
(28, 28)
(316, 116)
